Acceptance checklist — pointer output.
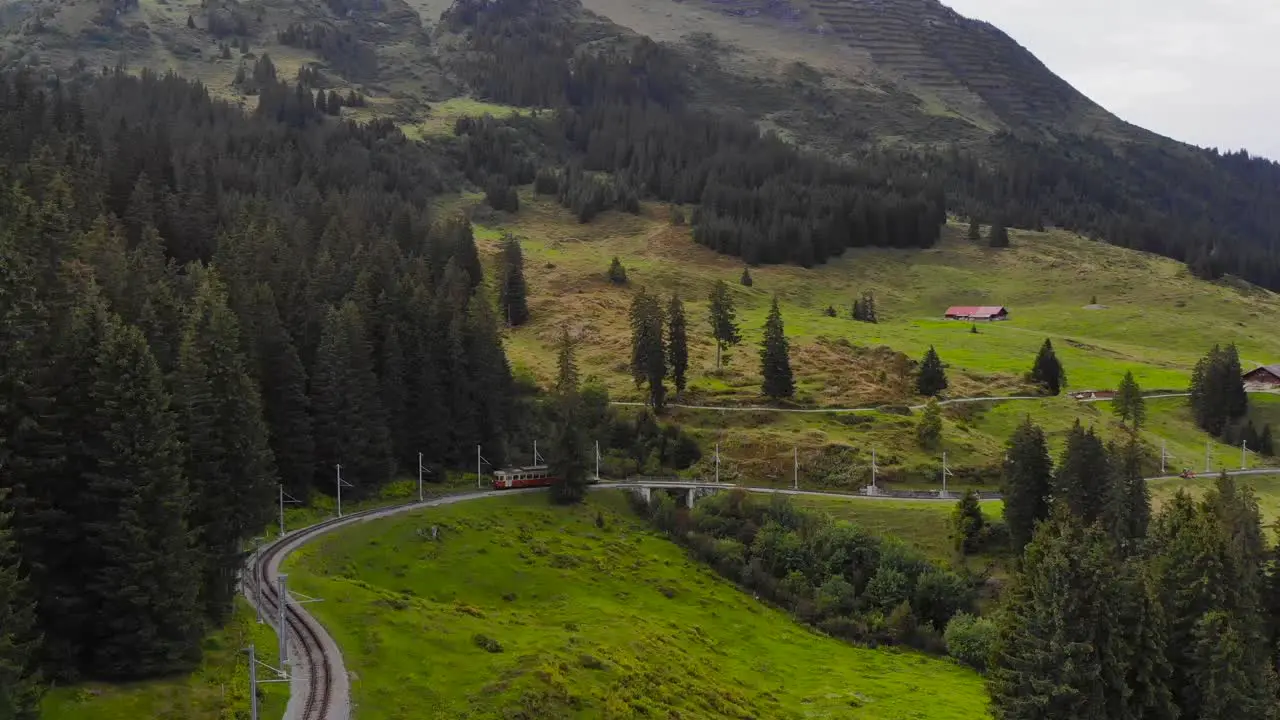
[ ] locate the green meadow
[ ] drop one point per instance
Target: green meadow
(525, 610)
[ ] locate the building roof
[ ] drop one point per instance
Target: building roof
(1269, 369)
(976, 310)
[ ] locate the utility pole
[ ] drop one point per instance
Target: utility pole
(1164, 453)
(717, 456)
(795, 471)
(479, 461)
(945, 472)
(419, 477)
(873, 470)
(341, 484)
(1244, 448)
(282, 581)
(284, 498)
(253, 682)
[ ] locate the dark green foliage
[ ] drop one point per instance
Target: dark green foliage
(228, 456)
(513, 300)
(1084, 481)
(831, 574)
(933, 377)
(569, 453)
(617, 273)
(969, 639)
(746, 280)
(999, 237)
(1047, 372)
(1131, 505)
(967, 523)
(143, 579)
(929, 427)
(830, 311)
(648, 350)
(1265, 444)
(775, 358)
(1128, 404)
(283, 385)
(1026, 483)
(677, 342)
(724, 326)
(350, 420)
(1059, 652)
(19, 637)
(864, 308)
(975, 230)
(500, 195)
(1217, 390)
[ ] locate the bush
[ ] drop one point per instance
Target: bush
(486, 643)
(617, 273)
(969, 639)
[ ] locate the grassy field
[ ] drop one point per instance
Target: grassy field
(1156, 323)
(217, 690)
(522, 610)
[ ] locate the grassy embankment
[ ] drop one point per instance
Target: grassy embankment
(1158, 320)
(611, 622)
(218, 689)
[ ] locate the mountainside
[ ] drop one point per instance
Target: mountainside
(907, 84)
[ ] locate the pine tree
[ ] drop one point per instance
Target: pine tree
(1084, 480)
(228, 454)
(568, 456)
(746, 280)
(1144, 642)
(1130, 508)
(1128, 404)
(999, 237)
(1229, 685)
(975, 230)
(967, 523)
(677, 342)
(512, 293)
(489, 372)
(143, 581)
(648, 352)
(285, 404)
(1047, 371)
(1059, 646)
(724, 326)
(929, 428)
(1265, 443)
(19, 639)
(350, 422)
(617, 273)
(933, 377)
(775, 358)
(1217, 390)
(1026, 482)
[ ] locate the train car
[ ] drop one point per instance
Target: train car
(521, 477)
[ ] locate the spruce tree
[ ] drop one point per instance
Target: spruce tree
(775, 358)
(1229, 684)
(1059, 646)
(933, 377)
(746, 280)
(724, 326)
(975, 230)
(19, 638)
(1084, 480)
(648, 352)
(1144, 643)
(999, 237)
(512, 293)
(1026, 482)
(1047, 372)
(967, 523)
(490, 374)
(1217, 390)
(617, 273)
(142, 580)
(285, 404)
(350, 422)
(1131, 505)
(929, 427)
(1266, 445)
(568, 455)
(228, 458)
(1128, 404)
(677, 343)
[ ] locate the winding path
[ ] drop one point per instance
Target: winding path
(320, 687)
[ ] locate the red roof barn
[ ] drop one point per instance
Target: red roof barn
(977, 312)
(1266, 377)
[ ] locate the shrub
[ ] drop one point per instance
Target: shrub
(617, 273)
(969, 639)
(486, 643)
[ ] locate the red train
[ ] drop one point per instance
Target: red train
(521, 477)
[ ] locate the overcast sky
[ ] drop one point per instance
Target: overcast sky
(1202, 71)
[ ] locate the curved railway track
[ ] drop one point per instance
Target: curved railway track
(320, 688)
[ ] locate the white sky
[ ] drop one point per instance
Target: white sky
(1205, 72)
